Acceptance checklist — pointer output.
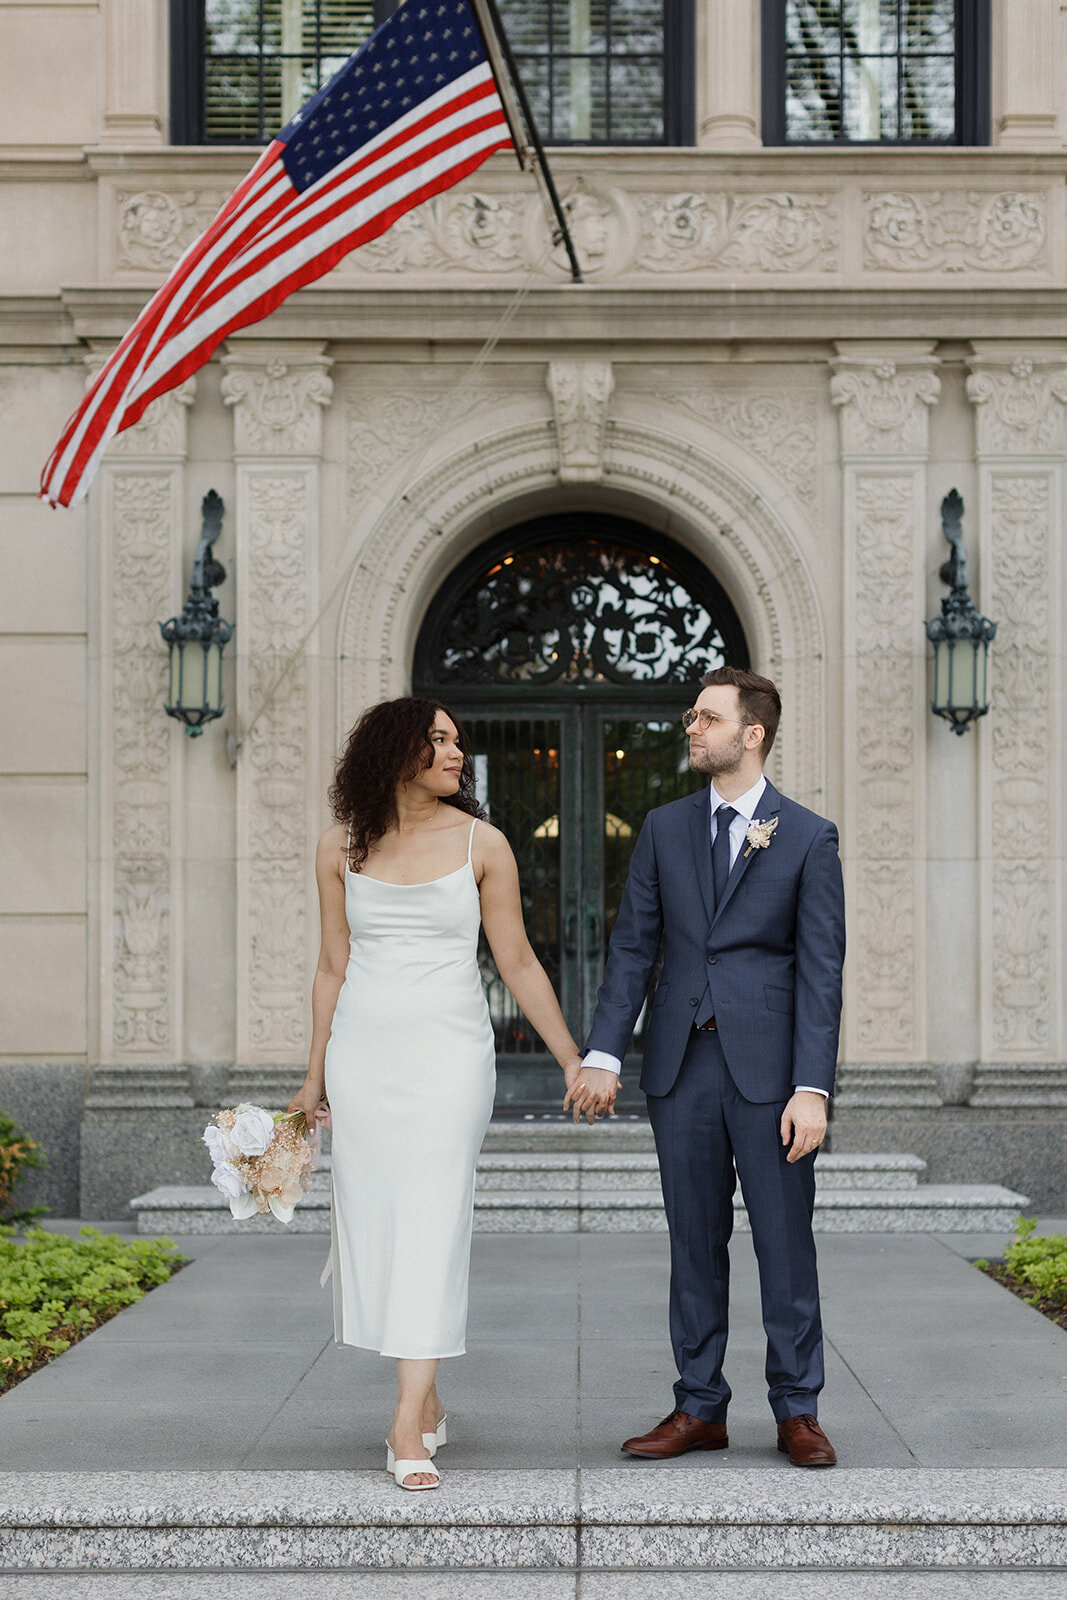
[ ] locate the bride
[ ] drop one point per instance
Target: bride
(402, 1046)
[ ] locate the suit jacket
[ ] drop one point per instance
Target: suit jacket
(771, 953)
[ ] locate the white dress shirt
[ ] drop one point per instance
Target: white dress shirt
(745, 809)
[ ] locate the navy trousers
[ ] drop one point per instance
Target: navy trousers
(702, 1128)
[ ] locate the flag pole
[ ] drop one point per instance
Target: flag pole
(506, 73)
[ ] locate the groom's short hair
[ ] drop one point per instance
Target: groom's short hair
(758, 697)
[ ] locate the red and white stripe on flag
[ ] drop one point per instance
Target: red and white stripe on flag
(410, 114)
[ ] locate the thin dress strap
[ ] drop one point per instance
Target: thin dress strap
(470, 842)
(348, 850)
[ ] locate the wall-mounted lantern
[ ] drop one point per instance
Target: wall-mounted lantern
(960, 635)
(197, 637)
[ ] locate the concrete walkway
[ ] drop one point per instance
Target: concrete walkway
(932, 1369)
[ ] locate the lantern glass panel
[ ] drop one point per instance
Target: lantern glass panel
(942, 659)
(213, 676)
(961, 686)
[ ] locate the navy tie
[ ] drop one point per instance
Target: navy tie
(720, 851)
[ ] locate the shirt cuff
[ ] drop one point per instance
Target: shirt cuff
(806, 1088)
(602, 1062)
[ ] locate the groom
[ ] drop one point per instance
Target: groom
(744, 888)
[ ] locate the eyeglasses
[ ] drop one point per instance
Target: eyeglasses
(707, 719)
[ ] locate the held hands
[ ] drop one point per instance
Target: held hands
(309, 1099)
(804, 1121)
(591, 1091)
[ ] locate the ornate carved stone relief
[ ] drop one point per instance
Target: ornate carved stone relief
(881, 406)
(278, 399)
(580, 393)
(154, 227)
(276, 756)
(634, 228)
(383, 427)
(138, 565)
(1017, 410)
(882, 837)
(779, 426)
(884, 402)
(770, 233)
(277, 408)
(161, 430)
(955, 230)
(1021, 733)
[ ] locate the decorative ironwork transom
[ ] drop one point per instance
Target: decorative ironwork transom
(578, 601)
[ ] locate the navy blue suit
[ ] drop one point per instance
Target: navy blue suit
(766, 962)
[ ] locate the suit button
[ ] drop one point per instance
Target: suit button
(694, 1000)
(712, 961)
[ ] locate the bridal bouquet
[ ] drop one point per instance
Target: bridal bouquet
(263, 1160)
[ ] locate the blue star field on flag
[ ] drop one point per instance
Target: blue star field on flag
(424, 46)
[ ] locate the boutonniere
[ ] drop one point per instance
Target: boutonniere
(759, 834)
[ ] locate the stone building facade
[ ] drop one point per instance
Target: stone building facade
(780, 361)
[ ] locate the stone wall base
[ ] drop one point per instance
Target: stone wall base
(47, 1102)
(1023, 1147)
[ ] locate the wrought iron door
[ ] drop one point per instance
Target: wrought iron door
(569, 649)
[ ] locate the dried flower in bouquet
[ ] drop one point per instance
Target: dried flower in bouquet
(263, 1160)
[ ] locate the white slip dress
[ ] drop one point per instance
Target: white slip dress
(410, 1077)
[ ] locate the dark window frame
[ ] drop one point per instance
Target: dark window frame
(973, 85)
(188, 35)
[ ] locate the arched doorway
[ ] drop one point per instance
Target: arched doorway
(569, 646)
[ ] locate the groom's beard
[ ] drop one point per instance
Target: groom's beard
(720, 763)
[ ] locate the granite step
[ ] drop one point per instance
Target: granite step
(624, 1520)
(610, 1197)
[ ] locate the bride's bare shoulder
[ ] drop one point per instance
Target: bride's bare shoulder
(331, 846)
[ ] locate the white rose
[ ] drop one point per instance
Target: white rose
(253, 1131)
(228, 1180)
(219, 1146)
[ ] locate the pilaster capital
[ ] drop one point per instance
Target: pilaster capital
(580, 393)
(161, 433)
(884, 392)
(1019, 397)
(278, 392)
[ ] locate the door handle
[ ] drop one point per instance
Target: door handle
(592, 933)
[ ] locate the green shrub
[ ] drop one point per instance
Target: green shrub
(55, 1290)
(17, 1152)
(1039, 1261)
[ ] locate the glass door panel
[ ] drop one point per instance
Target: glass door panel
(520, 767)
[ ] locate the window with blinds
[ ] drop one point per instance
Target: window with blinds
(876, 71)
(264, 58)
(595, 71)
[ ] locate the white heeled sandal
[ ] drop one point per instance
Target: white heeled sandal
(434, 1441)
(406, 1469)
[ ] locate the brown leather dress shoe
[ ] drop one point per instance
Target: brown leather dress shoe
(675, 1435)
(803, 1441)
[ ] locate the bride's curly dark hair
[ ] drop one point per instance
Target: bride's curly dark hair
(389, 745)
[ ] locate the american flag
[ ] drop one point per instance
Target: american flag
(411, 113)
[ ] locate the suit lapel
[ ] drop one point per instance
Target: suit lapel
(700, 833)
(770, 802)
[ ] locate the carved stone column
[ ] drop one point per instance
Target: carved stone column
(140, 506)
(884, 392)
(1027, 74)
(134, 56)
(728, 93)
(277, 392)
(1020, 398)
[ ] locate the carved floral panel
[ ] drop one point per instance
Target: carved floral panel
(277, 755)
(885, 755)
(1021, 735)
(955, 230)
(139, 568)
